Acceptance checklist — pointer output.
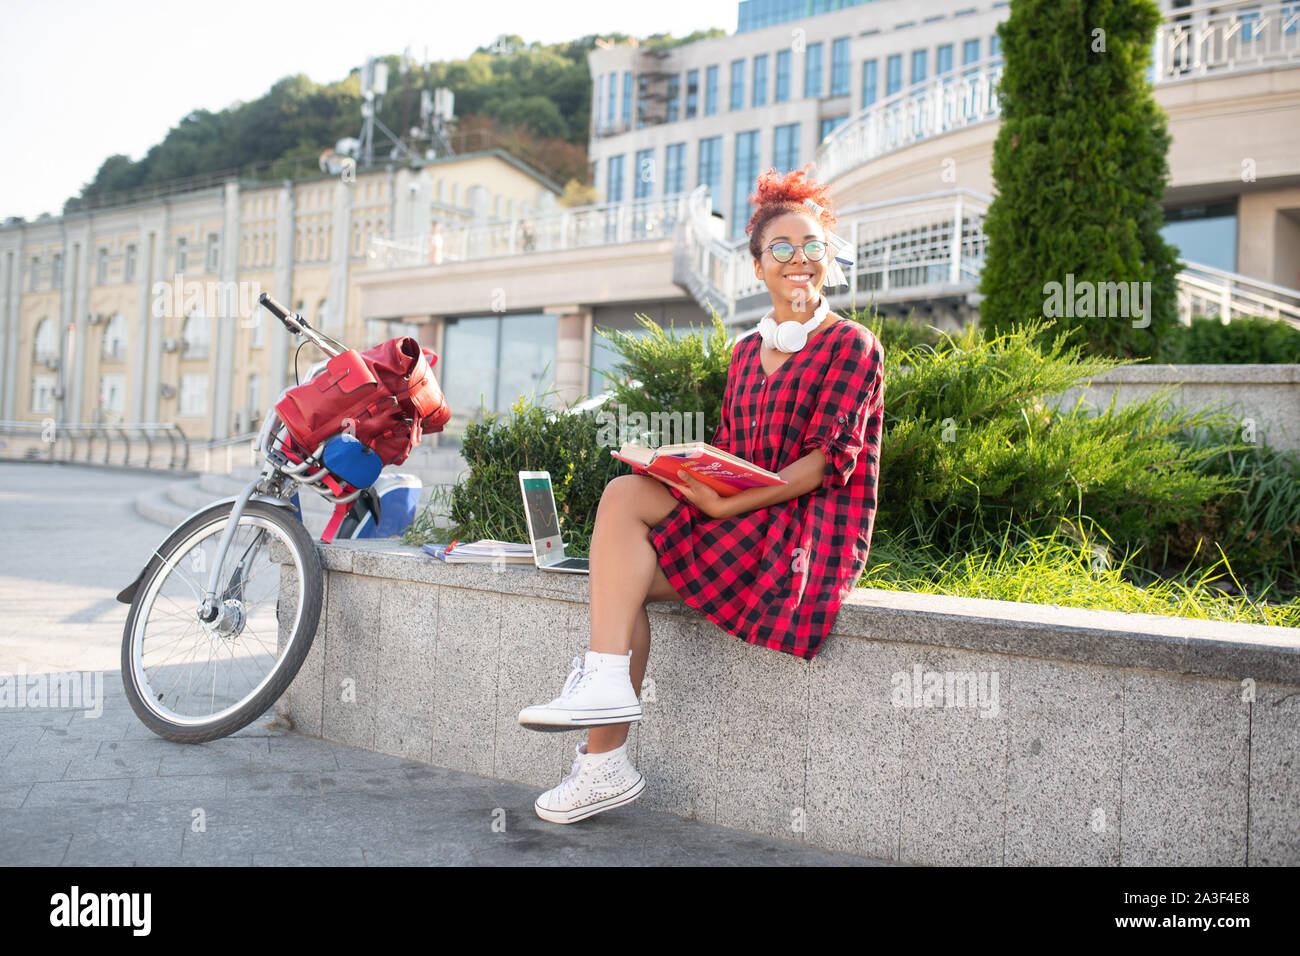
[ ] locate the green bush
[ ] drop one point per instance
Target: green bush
(899, 335)
(487, 503)
(1257, 524)
(664, 371)
(1256, 340)
(973, 447)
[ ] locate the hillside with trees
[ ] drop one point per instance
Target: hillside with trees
(530, 99)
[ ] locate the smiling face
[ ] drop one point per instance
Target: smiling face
(799, 281)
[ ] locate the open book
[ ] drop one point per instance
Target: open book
(723, 472)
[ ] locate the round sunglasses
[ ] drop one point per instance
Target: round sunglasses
(783, 251)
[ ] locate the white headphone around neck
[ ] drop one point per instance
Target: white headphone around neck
(791, 336)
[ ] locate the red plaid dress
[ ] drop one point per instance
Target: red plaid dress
(777, 576)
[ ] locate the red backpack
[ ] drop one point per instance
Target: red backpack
(386, 396)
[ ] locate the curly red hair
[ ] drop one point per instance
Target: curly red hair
(775, 194)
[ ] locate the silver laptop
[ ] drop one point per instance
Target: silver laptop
(544, 525)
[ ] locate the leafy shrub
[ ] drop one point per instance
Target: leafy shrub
(664, 371)
(1256, 340)
(972, 447)
(1257, 523)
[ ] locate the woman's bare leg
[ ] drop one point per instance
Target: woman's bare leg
(625, 575)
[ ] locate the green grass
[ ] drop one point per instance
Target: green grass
(1058, 570)
(1055, 569)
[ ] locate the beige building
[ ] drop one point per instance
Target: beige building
(146, 312)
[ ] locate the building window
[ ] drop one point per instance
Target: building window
(323, 317)
(645, 174)
(42, 393)
(194, 396)
(112, 396)
(711, 168)
(611, 100)
(692, 93)
(674, 97)
(45, 344)
(101, 267)
(830, 123)
(970, 52)
(893, 74)
(258, 338)
(760, 80)
(995, 45)
(785, 147)
(604, 358)
(919, 62)
(746, 175)
(627, 99)
(214, 252)
(1204, 233)
(737, 84)
(34, 276)
(675, 169)
(868, 83)
(128, 267)
(598, 114)
(614, 180)
(115, 338)
(196, 336)
(56, 278)
(180, 254)
(812, 71)
(782, 76)
(710, 91)
(488, 362)
(840, 67)
(943, 60)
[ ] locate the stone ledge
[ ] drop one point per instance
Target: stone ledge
(1048, 728)
(1112, 638)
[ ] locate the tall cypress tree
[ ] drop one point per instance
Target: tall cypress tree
(1080, 168)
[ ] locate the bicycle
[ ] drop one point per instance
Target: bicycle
(204, 655)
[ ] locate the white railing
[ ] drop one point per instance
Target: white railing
(946, 103)
(922, 245)
(1212, 39)
(578, 228)
(1203, 290)
(1218, 38)
(931, 244)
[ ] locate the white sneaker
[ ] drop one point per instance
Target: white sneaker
(593, 695)
(596, 783)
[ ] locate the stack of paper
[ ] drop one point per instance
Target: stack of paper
(483, 551)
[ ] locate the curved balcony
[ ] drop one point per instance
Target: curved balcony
(1208, 40)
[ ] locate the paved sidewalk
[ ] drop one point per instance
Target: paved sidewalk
(76, 790)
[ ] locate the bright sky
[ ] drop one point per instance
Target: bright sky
(85, 79)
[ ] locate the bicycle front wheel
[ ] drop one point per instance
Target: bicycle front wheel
(193, 680)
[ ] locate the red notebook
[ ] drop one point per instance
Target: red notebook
(724, 473)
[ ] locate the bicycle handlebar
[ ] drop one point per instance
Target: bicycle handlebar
(298, 325)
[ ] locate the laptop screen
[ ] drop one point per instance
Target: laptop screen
(544, 522)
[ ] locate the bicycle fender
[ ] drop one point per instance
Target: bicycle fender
(127, 594)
